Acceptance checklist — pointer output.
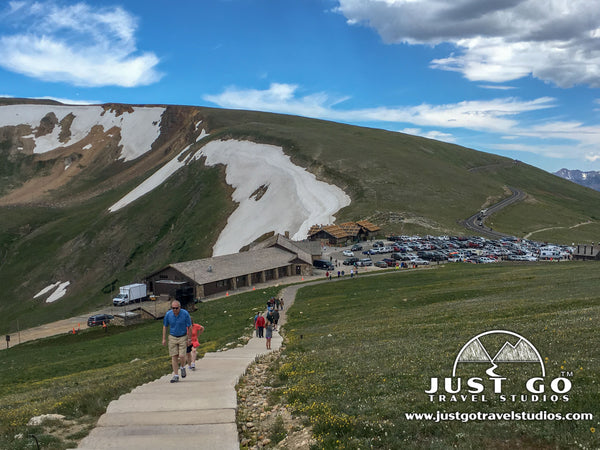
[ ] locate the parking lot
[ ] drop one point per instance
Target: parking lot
(411, 251)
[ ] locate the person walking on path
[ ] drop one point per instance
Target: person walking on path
(179, 323)
(269, 331)
(260, 325)
(270, 318)
(197, 330)
(275, 315)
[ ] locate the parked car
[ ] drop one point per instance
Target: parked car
(323, 264)
(364, 262)
(350, 261)
(348, 253)
(98, 319)
(390, 262)
(381, 264)
(420, 262)
(356, 247)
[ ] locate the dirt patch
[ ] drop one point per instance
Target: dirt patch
(263, 420)
(68, 431)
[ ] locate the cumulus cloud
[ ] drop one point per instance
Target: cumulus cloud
(556, 41)
(79, 44)
(495, 115)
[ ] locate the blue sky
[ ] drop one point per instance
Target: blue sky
(520, 78)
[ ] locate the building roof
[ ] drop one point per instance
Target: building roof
(218, 268)
(351, 228)
(281, 241)
(333, 230)
(368, 225)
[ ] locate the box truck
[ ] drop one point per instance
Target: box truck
(131, 293)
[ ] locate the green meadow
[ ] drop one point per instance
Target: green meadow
(361, 353)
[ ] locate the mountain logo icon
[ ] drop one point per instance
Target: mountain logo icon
(514, 349)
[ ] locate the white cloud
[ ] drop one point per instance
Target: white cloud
(497, 87)
(489, 115)
(502, 117)
(64, 101)
(69, 101)
(433, 134)
(78, 44)
(279, 98)
(553, 40)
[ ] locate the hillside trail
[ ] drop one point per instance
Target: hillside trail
(528, 235)
(198, 412)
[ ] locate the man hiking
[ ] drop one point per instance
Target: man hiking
(179, 323)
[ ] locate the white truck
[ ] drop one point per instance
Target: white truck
(131, 293)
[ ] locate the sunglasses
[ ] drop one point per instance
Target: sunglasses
(175, 307)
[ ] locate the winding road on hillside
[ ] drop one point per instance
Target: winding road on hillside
(477, 221)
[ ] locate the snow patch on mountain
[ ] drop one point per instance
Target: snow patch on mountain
(291, 198)
(60, 289)
(588, 179)
(155, 180)
(139, 129)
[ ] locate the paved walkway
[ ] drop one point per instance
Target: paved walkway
(199, 412)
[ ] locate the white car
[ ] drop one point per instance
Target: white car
(348, 253)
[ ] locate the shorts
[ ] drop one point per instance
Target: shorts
(177, 345)
(188, 349)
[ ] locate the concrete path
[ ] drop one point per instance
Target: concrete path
(198, 412)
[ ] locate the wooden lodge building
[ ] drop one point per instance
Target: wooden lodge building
(275, 258)
(343, 233)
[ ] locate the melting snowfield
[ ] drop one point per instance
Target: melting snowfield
(60, 289)
(151, 183)
(292, 201)
(139, 129)
(273, 193)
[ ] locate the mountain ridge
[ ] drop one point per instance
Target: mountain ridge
(55, 227)
(590, 179)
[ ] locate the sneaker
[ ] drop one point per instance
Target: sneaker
(193, 367)
(183, 374)
(175, 379)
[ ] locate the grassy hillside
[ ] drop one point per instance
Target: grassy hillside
(78, 375)
(411, 184)
(97, 250)
(361, 353)
(403, 183)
